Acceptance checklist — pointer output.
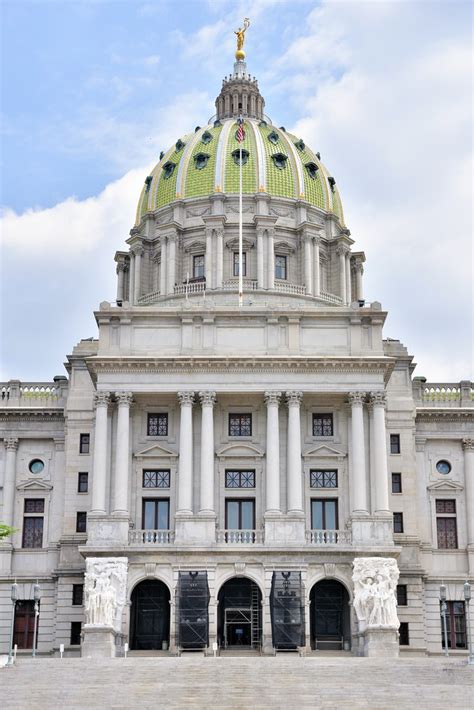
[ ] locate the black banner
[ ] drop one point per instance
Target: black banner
(192, 608)
(287, 610)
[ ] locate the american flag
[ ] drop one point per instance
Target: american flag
(240, 133)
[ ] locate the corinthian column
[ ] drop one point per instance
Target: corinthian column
(171, 263)
(185, 470)
(120, 280)
(138, 273)
(378, 401)
(294, 483)
(163, 266)
(272, 400)
(359, 477)
(11, 446)
(316, 277)
(308, 264)
(209, 260)
(348, 278)
(468, 446)
(122, 449)
(341, 252)
(270, 260)
(219, 257)
(99, 463)
(260, 260)
(208, 400)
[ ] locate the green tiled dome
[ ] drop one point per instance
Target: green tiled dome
(275, 162)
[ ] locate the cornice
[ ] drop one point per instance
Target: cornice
(16, 414)
(244, 363)
(450, 414)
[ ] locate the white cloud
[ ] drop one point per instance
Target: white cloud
(74, 226)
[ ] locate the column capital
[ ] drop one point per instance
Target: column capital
(378, 399)
(342, 250)
(186, 398)
(207, 398)
(272, 398)
(420, 442)
(11, 443)
(356, 398)
(102, 399)
(137, 250)
(293, 398)
(468, 444)
(124, 398)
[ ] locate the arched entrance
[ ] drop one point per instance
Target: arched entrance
(240, 614)
(150, 616)
(330, 616)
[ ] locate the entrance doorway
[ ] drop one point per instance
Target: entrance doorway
(330, 616)
(150, 616)
(23, 631)
(240, 614)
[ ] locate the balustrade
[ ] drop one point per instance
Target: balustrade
(240, 537)
(151, 537)
(328, 537)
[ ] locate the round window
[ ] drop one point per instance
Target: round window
(443, 467)
(36, 466)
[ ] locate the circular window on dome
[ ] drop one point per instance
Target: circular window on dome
(36, 466)
(443, 467)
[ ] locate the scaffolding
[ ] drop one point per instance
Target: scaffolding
(192, 611)
(287, 610)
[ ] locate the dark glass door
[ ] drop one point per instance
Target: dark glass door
(150, 619)
(24, 624)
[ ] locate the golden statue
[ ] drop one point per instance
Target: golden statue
(240, 54)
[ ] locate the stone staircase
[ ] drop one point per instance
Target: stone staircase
(256, 683)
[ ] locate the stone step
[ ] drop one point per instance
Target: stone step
(237, 683)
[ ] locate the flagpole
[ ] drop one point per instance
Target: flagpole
(241, 285)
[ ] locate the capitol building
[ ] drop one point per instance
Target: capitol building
(218, 475)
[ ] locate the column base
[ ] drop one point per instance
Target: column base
(105, 530)
(195, 529)
(372, 529)
(381, 642)
(285, 529)
(98, 642)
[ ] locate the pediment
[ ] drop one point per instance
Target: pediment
(446, 486)
(239, 450)
(234, 244)
(325, 451)
(33, 485)
(156, 451)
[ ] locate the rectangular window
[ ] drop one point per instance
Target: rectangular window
(157, 424)
(455, 625)
(156, 514)
(394, 443)
(75, 638)
(81, 522)
(446, 527)
(396, 482)
(84, 443)
(323, 425)
(240, 425)
(404, 638)
(240, 514)
(324, 514)
(402, 598)
(82, 482)
(77, 594)
(198, 266)
(240, 479)
(236, 263)
(280, 267)
(398, 522)
(23, 631)
(323, 479)
(33, 522)
(156, 479)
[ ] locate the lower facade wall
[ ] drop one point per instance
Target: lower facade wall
(57, 611)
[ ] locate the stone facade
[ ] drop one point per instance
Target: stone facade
(197, 435)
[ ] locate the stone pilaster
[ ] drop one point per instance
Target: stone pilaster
(171, 266)
(272, 497)
(208, 400)
(11, 446)
(468, 446)
(308, 264)
(379, 402)
(185, 470)
(359, 473)
(295, 483)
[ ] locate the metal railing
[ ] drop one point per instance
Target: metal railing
(240, 537)
(150, 537)
(328, 537)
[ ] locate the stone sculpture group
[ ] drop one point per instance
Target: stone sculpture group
(375, 584)
(105, 591)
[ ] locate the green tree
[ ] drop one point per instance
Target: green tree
(5, 531)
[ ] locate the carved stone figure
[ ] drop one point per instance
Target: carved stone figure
(105, 591)
(375, 585)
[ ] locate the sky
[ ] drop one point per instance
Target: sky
(93, 90)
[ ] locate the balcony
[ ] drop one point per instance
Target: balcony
(240, 537)
(34, 395)
(443, 394)
(328, 537)
(151, 537)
